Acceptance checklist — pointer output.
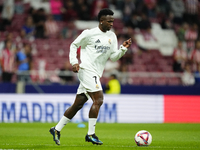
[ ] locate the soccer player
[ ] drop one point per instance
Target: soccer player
(97, 46)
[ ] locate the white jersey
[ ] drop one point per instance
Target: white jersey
(96, 48)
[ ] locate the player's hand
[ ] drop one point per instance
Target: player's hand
(75, 68)
(127, 43)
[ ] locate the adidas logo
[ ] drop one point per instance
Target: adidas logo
(98, 41)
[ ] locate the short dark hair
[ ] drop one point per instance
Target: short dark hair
(104, 12)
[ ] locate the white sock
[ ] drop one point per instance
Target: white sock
(91, 125)
(63, 121)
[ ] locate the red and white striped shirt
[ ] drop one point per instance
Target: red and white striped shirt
(51, 27)
(192, 6)
(191, 36)
(182, 56)
(195, 55)
(180, 53)
(7, 58)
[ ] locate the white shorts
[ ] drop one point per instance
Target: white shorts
(89, 82)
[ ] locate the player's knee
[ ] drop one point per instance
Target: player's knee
(80, 101)
(99, 101)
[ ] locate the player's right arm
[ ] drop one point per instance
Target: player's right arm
(75, 68)
(81, 40)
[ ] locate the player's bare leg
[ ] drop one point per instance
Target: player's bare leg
(97, 98)
(68, 115)
(72, 110)
(77, 105)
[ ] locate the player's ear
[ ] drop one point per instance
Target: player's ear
(101, 20)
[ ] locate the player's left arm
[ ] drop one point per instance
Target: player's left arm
(117, 54)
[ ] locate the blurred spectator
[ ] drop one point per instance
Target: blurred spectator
(139, 4)
(9, 37)
(192, 10)
(181, 31)
(191, 36)
(71, 13)
(96, 6)
(133, 21)
(163, 7)
(51, 27)
(113, 4)
(128, 9)
(113, 86)
(144, 23)
(1, 5)
(124, 74)
(7, 14)
(69, 31)
(19, 7)
(166, 22)
(57, 9)
(7, 62)
(178, 9)
(32, 12)
(39, 18)
(180, 58)
(112, 67)
(188, 77)
(22, 65)
(66, 74)
(28, 29)
(29, 57)
(197, 75)
(41, 65)
(150, 8)
(82, 8)
(195, 56)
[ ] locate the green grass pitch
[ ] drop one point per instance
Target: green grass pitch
(114, 135)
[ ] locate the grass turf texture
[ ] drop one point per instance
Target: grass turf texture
(115, 136)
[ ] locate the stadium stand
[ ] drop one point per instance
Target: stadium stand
(156, 45)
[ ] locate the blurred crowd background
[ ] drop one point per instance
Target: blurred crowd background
(35, 36)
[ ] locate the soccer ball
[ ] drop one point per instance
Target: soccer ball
(143, 138)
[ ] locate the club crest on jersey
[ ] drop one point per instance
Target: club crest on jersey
(97, 86)
(109, 41)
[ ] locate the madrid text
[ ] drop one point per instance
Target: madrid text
(51, 112)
